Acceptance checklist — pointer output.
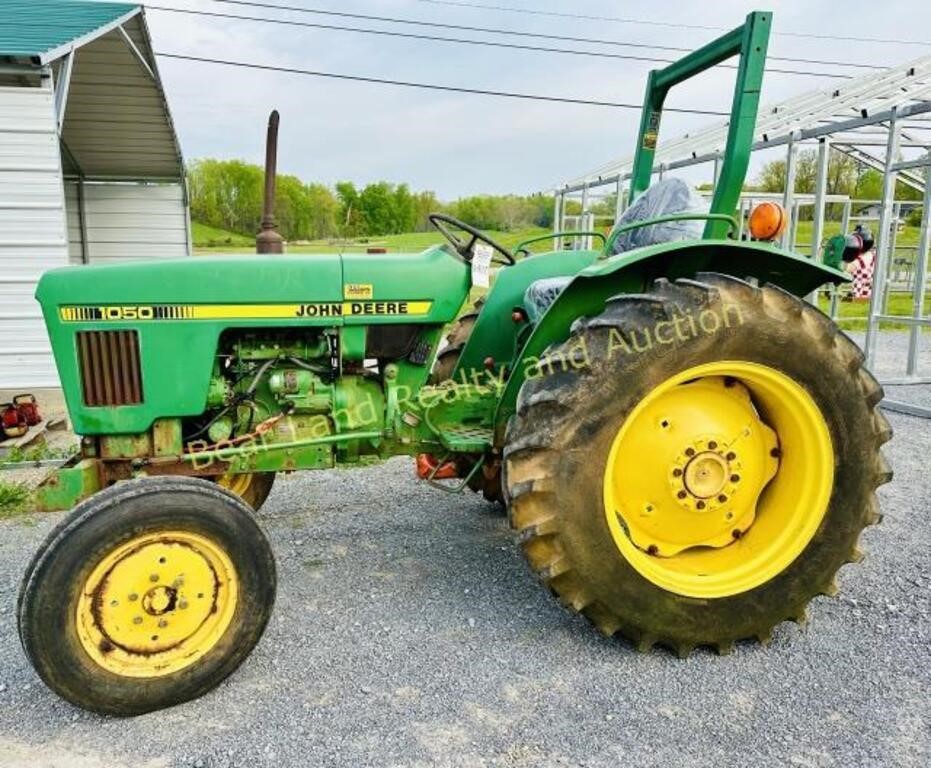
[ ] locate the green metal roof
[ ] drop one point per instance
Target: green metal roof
(39, 28)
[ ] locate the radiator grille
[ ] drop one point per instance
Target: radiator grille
(110, 372)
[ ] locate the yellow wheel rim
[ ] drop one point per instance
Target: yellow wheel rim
(238, 483)
(157, 603)
(719, 479)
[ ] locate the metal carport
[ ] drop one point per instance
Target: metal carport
(90, 165)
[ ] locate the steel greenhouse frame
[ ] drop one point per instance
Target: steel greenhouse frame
(888, 111)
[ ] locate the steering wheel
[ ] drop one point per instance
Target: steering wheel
(464, 247)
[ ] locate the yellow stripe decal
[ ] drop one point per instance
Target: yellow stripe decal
(314, 310)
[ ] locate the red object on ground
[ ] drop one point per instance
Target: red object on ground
(429, 466)
(29, 408)
(12, 422)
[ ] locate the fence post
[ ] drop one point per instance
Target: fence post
(881, 265)
(821, 190)
(557, 218)
(788, 196)
(921, 276)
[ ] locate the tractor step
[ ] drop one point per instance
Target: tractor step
(466, 438)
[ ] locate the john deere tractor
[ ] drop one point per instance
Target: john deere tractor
(687, 450)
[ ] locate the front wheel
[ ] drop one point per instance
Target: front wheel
(694, 465)
(147, 595)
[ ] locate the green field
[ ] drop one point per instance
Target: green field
(209, 240)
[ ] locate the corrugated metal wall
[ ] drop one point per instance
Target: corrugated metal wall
(127, 221)
(33, 235)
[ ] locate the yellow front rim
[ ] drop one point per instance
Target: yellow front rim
(237, 483)
(719, 479)
(157, 603)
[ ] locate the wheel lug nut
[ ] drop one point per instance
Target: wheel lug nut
(677, 472)
(712, 444)
(735, 478)
(700, 505)
(681, 494)
(722, 498)
(689, 451)
(731, 456)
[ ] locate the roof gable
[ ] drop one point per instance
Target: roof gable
(41, 29)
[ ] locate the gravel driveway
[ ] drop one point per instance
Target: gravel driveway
(409, 632)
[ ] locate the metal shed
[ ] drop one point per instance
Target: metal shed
(90, 165)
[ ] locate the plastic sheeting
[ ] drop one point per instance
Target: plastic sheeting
(540, 294)
(666, 197)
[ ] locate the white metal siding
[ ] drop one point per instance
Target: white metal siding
(33, 236)
(125, 222)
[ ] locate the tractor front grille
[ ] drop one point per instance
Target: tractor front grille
(110, 372)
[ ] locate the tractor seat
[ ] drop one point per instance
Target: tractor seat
(540, 295)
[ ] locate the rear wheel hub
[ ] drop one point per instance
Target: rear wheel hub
(699, 487)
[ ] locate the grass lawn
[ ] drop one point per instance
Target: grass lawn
(852, 314)
(211, 238)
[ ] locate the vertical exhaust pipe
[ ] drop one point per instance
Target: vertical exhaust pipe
(268, 240)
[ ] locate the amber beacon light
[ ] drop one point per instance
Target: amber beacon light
(767, 221)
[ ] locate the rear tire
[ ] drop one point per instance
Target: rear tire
(147, 595)
(565, 436)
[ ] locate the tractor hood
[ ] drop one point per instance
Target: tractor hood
(426, 287)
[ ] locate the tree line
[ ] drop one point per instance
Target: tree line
(846, 176)
(227, 194)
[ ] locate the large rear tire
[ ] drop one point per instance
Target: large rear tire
(693, 466)
(148, 594)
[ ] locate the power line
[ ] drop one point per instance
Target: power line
(457, 40)
(518, 33)
(426, 86)
(654, 23)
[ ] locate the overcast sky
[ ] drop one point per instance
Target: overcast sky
(458, 144)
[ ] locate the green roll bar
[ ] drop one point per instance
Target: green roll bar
(750, 42)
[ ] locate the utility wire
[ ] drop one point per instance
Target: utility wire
(427, 86)
(458, 40)
(520, 33)
(654, 23)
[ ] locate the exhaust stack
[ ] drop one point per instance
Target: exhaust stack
(268, 240)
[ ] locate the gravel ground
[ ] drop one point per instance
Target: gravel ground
(409, 632)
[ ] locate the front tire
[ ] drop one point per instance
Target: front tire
(694, 465)
(147, 595)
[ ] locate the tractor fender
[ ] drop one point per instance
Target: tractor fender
(635, 271)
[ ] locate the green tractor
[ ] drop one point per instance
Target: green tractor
(687, 450)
